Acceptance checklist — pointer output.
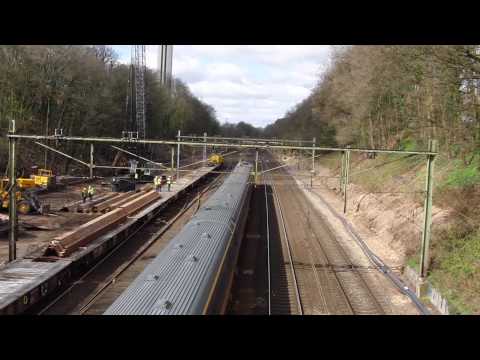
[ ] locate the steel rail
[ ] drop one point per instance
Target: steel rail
(320, 287)
(350, 264)
(202, 144)
(342, 255)
(268, 248)
(86, 305)
(289, 252)
(377, 262)
(78, 281)
(374, 259)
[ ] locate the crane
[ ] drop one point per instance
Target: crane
(136, 91)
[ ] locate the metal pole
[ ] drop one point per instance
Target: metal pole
(313, 156)
(12, 199)
(342, 172)
(46, 132)
(256, 167)
(178, 155)
(345, 182)
(204, 147)
(91, 161)
(427, 219)
(173, 159)
(313, 163)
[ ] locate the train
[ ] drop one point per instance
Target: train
(215, 160)
(194, 272)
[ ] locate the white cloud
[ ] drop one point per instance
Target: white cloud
(252, 83)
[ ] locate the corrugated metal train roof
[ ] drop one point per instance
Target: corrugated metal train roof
(179, 279)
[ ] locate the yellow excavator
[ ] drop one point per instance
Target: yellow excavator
(27, 200)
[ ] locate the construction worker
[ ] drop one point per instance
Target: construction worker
(91, 191)
(158, 183)
(84, 194)
(169, 182)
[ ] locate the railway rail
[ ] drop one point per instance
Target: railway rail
(286, 300)
(320, 274)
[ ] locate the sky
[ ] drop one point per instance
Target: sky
(256, 84)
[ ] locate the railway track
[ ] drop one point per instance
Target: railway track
(284, 293)
(103, 283)
(321, 278)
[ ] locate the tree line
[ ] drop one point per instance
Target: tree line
(395, 97)
(83, 90)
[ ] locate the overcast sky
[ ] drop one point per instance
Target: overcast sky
(253, 83)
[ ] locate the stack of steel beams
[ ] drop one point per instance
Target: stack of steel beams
(71, 241)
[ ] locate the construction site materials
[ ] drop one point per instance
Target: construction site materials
(87, 206)
(67, 243)
(107, 205)
(25, 282)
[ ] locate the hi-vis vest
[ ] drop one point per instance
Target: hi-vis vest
(169, 180)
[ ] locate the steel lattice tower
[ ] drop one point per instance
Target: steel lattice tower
(138, 61)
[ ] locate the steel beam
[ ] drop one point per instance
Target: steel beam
(248, 139)
(220, 145)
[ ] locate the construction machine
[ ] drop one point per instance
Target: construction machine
(44, 178)
(27, 200)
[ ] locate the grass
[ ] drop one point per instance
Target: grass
(379, 174)
(464, 175)
(456, 270)
(414, 262)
